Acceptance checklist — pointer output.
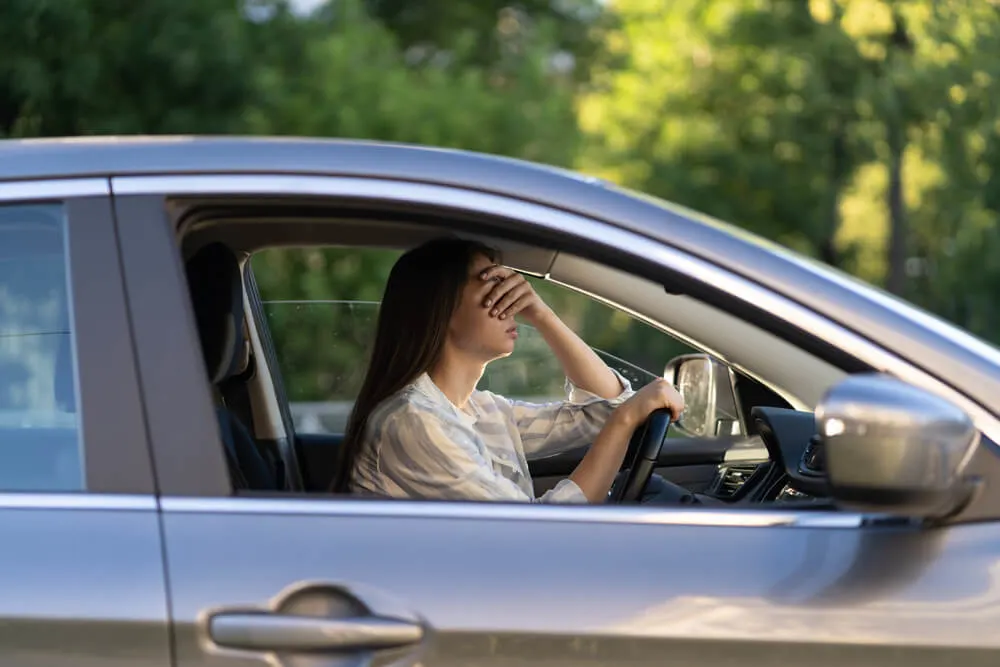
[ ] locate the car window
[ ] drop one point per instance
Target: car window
(321, 306)
(40, 443)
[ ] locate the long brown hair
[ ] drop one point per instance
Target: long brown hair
(422, 293)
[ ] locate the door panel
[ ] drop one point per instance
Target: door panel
(498, 590)
(82, 587)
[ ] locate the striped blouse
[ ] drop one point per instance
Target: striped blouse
(419, 445)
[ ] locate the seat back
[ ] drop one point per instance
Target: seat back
(216, 289)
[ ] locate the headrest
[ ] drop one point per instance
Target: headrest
(216, 289)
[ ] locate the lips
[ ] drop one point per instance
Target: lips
(512, 331)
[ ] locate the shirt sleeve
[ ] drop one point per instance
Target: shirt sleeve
(426, 458)
(551, 428)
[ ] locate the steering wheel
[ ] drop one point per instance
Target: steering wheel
(641, 458)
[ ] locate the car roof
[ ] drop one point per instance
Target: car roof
(72, 157)
(950, 353)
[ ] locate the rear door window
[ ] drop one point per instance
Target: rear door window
(40, 440)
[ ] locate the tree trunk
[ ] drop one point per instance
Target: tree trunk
(898, 228)
(899, 46)
(828, 251)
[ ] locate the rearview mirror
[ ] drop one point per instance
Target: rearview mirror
(709, 397)
(892, 447)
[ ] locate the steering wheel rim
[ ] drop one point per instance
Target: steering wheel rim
(651, 434)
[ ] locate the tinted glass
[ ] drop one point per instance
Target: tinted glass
(40, 443)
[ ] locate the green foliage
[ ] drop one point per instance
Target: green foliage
(864, 132)
(76, 67)
(490, 31)
(348, 77)
(321, 305)
(746, 112)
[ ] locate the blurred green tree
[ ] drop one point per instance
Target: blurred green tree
(79, 67)
(742, 109)
(490, 31)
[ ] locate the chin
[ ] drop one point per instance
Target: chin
(503, 351)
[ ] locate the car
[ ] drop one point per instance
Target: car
(158, 505)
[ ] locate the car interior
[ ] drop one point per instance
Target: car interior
(769, 456)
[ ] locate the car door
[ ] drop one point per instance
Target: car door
(81, 565)
(296, 579)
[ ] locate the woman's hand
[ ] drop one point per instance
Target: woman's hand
(596, 472)
(513, 295)
(657, 394)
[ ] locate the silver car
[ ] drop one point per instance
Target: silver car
(159, 507)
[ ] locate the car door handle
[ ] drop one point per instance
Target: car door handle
(311, 634)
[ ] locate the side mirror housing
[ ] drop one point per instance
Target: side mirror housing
(709, 396)
(893, 448)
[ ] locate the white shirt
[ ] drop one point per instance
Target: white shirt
(419, 445)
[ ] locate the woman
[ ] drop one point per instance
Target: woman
(421, 430)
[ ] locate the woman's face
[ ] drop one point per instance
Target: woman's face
(472, 330)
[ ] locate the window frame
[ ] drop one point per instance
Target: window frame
(112, 428)
(617, 246)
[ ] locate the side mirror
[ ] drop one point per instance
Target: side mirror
(894, 448)
(709, 396)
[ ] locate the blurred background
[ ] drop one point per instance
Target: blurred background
(865, 133)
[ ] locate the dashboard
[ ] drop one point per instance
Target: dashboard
(795, 468)
(792, 443)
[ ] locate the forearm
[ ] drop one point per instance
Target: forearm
(596, 472)
(579, 362)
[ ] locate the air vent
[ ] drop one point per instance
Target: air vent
(732, 477)
(813, 461)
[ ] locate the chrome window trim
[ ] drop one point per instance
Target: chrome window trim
(77, 501)
(627, 515)
(549, 218)
(55, 188)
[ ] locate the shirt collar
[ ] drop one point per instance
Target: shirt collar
(425, 385)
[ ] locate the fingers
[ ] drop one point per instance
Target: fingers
(670, 398)
(517, 307)
(664, 395)
(493, 272)
(505, 282)
(513, 301)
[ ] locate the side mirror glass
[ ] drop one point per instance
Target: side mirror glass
(709, 397)
(894, 448)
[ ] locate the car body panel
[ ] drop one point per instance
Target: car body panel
(83, 582)
(498, 588)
